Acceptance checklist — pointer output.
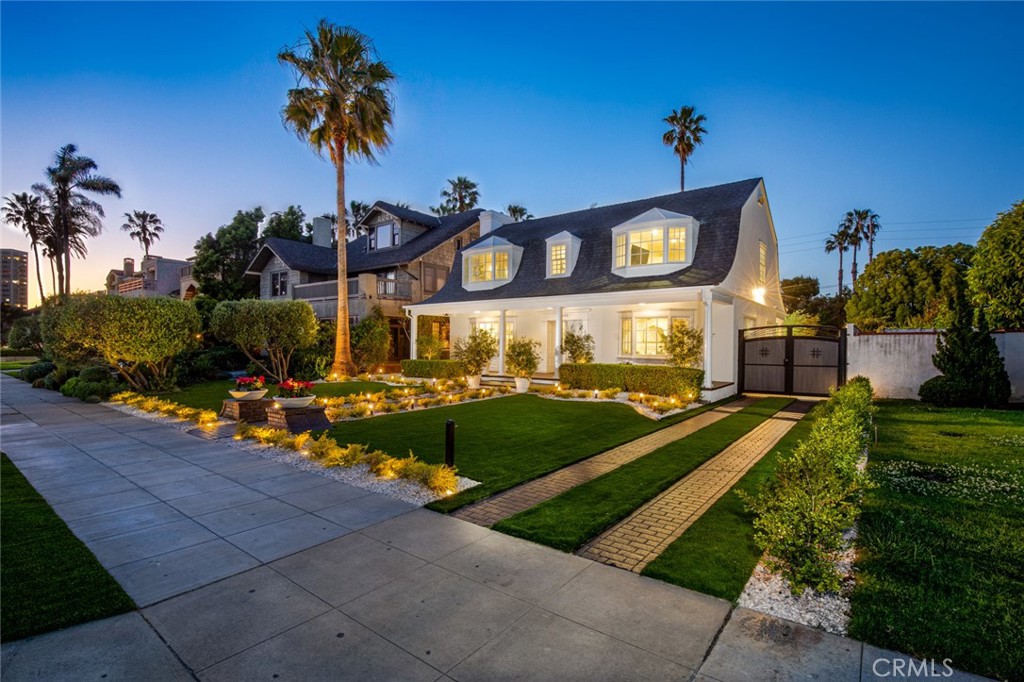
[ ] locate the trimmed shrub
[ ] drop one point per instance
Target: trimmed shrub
(95, 373)
(577, 346)
(684, 344)
(433, 369)
(277, 327)
(684, 382)
(25, 333)
(77, 387)
(36, 371)
(522, 358)
(429, 347)
(475, 351)
(371, 341)
(815, 494)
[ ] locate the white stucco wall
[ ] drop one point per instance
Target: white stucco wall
(898, 363)
(756, 226)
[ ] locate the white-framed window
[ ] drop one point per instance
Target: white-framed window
(558, 258)
(762, 263)
(279, 284)
(385, 235)
(563, 250)
(642, 334)
(488, 266)
(656, 242)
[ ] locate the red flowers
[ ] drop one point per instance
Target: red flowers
(250, 383)
(290, 388)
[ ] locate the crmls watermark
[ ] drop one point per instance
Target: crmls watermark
(908, 667)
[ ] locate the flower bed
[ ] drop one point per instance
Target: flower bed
(651, 406)
(165, 408)
(403, 399)
(325, 451)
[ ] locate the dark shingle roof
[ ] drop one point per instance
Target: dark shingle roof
(322, 260)
(717, 209)
(408, 214)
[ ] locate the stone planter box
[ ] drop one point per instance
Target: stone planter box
(250, 411)
(298, 419)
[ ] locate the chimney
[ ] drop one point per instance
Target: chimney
(129, 266)
(492, 220)
(322, 229)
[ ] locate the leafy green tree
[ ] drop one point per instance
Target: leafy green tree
(342, 107)
(31, 215)
(686, 132)
(25, 333)
(73, 214)
(279, 328)
(69, 327)
(830, 310)
(996, 277)
(577, 346)
(222, 258)
(371, 341)
(798, 291)
(684, 344)
(904, 289)
(518, 213)
(144, 227)
(286, 224)
(461, 194)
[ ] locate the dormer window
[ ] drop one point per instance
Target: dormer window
(655, 243)
(489, 264)
(384, 236)
(562, 251)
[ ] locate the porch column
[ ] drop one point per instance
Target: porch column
(501, 342)
(558, 339)
(708, 334)
(413, 331)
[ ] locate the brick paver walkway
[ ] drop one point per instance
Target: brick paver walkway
(514, 500)
(643, 536)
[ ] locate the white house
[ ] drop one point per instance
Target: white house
(622, 273)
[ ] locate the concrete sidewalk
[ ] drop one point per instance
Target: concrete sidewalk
(246, 569)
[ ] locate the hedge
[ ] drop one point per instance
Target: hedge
(652, 379)
(434, 369)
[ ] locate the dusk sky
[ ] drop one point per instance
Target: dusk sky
(913, 110)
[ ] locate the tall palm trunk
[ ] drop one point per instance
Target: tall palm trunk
(682, 175)
(853, 268)
(840, 272)
(871, 249)
(342, 342)
(53, 277)
(39, 276)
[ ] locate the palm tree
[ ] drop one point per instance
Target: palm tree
(518, 213)
(341, 105)
(144, 227)
(684, 134)
(357, 210)
(74, 216)
(460, 195)
(854, 223)
(872, 226)
(839, 241)
(29, 214)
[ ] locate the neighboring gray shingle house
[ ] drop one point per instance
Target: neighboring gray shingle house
(623, 273)
(402, 257)
(156, 276)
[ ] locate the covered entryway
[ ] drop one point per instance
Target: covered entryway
(792, 359)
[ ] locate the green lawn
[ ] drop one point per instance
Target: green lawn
(48, 578)
(717, 554)
(505, 441)
(210, 395)
(569, 520)
(941, 565)
(8, 366)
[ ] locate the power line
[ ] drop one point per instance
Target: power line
(883, 232)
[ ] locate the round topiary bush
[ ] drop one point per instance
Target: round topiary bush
(36, 371)
(95, 373)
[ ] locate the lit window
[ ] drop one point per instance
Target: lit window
(627, 336)
(620, 251)
(650, 335)
(558, 259)
(762, 264)
(501, 265)
(676, 245)
(646, 247)
(481, 267)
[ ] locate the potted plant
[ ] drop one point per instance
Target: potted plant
(292, 393)
(249, 388)
(522, 360)
(475, 352)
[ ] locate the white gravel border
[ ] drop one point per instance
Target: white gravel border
(623, 398)
(358, 476)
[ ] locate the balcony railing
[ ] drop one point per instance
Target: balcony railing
(394, 288)
(135, 284)
(321, 291)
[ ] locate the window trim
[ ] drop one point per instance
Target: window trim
(571, 243)
(628, 349)
(656, 219)
(504, 258)
(276, 280)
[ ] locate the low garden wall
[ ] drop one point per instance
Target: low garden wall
(899, 362)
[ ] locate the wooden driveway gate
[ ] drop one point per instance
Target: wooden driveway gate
(792, 359)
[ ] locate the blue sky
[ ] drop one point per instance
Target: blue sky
(914, 110)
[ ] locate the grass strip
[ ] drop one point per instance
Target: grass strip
(210, 395)
(50, 579)
(505, 441)
(568, 521)
(717, 554)
(940, 569)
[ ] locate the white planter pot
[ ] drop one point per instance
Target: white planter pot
(248, 395)
(473, 381)
(287, 403)
(522, 384)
